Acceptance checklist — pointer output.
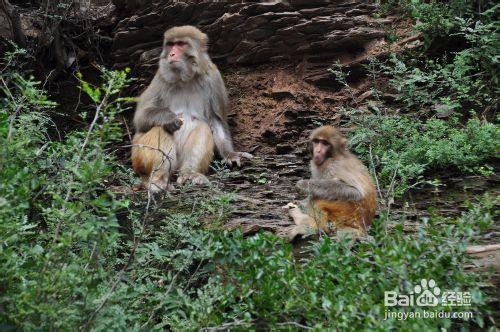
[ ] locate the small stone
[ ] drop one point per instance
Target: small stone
(282, 94)
(365, 95)
(284, 148)
(443, 111)
(329, 100)
(269, 135)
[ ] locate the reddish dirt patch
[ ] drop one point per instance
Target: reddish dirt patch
(272, 108)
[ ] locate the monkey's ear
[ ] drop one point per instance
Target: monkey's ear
(343, 143)
(204, 42)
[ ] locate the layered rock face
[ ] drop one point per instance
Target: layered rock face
(310, 34)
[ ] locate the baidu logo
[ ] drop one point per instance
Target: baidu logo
(427, 294)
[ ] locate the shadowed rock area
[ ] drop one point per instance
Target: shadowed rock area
(309, 34)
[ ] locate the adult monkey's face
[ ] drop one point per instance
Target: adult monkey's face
(180, 58)
(175, 51)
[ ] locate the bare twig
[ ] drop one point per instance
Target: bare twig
(12, 119)
(92, 254)
(165, 155)
(372, 164)
(19, 106)
(305, 327)
(225, 326)
(103, 103)
(128, 129)
(58, 227)
(390, 195)
(7, 90)
(485, 248)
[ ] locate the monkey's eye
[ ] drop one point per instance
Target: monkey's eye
(180, 43)
(320, 141)
(170, 44)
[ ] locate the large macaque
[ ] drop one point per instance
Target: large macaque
(341, 191)
(181, 116)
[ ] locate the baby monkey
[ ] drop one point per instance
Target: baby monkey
(341, 191)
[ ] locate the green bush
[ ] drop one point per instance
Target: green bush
(405, 148)
(57, 220)
(466, 77)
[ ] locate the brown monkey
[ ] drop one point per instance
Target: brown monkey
(341, 190)
(182, 114)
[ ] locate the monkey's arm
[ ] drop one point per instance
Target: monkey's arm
(222, 138)
(149, 117)
(334, 189)
(224, 143)
(218, 108)
(151, 110)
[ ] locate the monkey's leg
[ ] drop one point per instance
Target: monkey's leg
(353, 233)
(300, 218)
(196, 153)
(304, 223)
(155, 159)
(297, 230)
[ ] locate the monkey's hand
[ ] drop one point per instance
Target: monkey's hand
(173, 125)
(303, 186)
(289, 206)
(235, 157)
(334, 189)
